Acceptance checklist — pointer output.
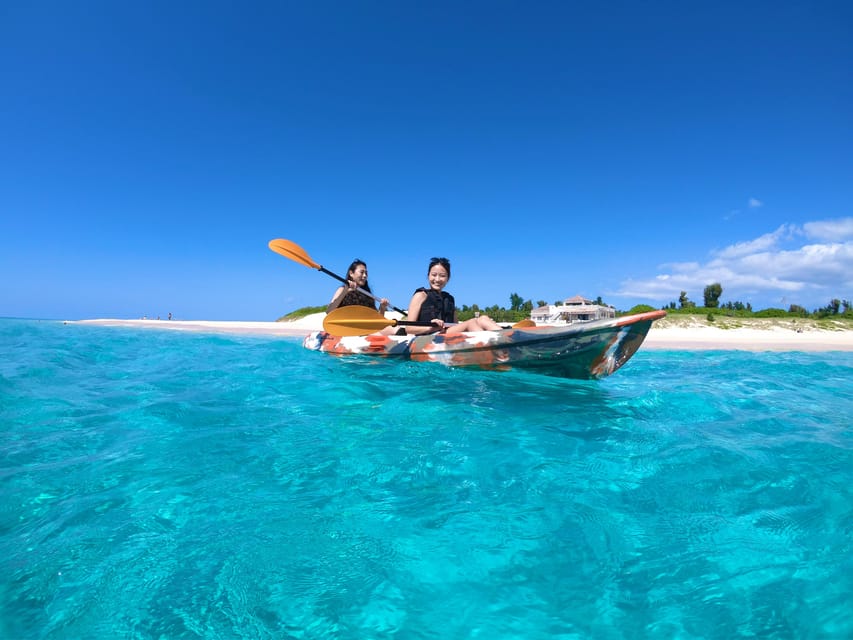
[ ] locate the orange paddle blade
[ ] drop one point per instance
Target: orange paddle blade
(355, 321)
(524, 324)
(293, 251)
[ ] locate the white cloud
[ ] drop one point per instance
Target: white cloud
(834, 230)
(765, 270)
(762, 243)
(754, 203)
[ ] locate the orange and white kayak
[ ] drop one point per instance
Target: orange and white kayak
(588, 350)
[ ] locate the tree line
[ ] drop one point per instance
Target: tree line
(519, 308)
(711, 299)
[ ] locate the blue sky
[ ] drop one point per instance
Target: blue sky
(632, 150)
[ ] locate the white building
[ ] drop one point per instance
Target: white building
(577, 309)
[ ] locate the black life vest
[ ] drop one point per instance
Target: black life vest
(357, 298)
(438, 304)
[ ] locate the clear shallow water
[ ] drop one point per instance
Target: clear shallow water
(157, 484)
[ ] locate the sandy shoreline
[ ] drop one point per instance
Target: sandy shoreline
(710, 338)
(693, 338)
(299, 328)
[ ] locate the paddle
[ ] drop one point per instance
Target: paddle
(296, 253)
(355, 320)
(359, 321)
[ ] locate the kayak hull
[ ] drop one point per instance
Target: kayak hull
(589, 350)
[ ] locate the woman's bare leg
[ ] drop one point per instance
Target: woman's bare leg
(483, 323)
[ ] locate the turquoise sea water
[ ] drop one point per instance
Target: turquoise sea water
(160, 484)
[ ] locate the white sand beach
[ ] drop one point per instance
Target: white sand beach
(300, 328)
(673, 332)
(695, 333)
(744, 339)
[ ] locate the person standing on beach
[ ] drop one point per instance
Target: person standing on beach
(348, 294)
(437, 306)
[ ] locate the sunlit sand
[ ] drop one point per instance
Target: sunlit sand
(672, 333)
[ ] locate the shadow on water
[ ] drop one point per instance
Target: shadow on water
(426, 382)
(426, 393)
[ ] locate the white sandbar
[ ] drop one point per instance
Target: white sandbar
(692, 338)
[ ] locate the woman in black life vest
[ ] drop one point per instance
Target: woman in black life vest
(349, 294)
(438, 307)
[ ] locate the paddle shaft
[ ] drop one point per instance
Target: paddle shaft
(355, 320)
(413, 323)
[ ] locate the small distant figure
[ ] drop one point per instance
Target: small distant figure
(158, 317)
(170, 315)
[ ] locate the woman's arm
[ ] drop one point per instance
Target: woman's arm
(336, 299)
(414, 311)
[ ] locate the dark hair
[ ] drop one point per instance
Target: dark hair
(444, 262)
(355, 263)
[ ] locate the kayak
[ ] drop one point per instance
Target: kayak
(587, 350)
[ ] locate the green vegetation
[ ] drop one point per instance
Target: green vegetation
(836, 309)
(520, 309)
(712, 295)
(301, 313)
(640, 308)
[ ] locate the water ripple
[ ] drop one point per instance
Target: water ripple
(197, 486)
